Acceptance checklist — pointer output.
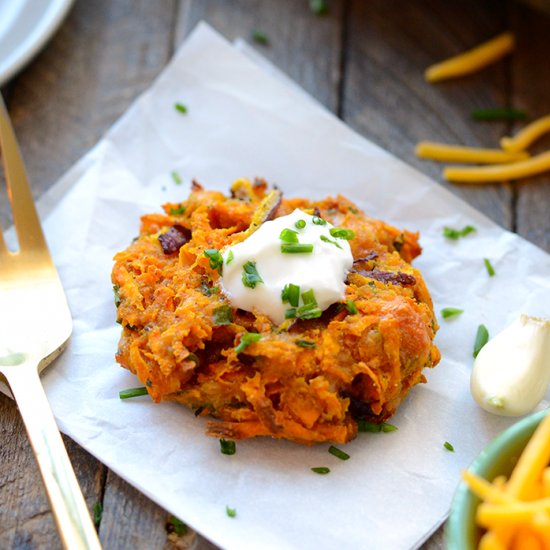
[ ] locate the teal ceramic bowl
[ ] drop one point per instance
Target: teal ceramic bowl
(498, 458)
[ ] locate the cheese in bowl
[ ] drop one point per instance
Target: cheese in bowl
(277, 317)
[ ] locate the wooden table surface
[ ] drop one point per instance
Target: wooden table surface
(364, 60)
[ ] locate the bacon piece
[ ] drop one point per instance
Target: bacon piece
(393, 277)
(174, 239)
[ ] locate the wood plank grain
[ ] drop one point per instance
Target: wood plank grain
(304, 45)
(103, 56)
(387, 99)
(531, 91)
(25, 518)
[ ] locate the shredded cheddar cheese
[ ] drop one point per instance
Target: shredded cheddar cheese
(459, 153)
(499, 172)
(525, 137)
(516, 513)
(472, 60)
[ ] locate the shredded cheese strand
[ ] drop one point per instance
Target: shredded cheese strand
(526, 136)
(499, 172)
(472, 60)
(458, 153)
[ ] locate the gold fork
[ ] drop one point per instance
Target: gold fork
(35, 325)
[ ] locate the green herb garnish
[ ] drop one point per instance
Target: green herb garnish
(325, 239)
(338, 453)
(482, 337)
(231, 512)
(342, 233)
(223, 315)
(175, 525)
(455, 234)
(321, 470)
(499, 113)
(230, 257)
(246, 339)
(449, 447)
(305, 343)
(216, 259)
(364, 426)
(447, 312)
(318, 7)
(251, 277)
(291, 295)
(308, 311)
(116, 290)
(228, 447)
(489, 267)
(97, 513)
(289, 236)
(177, 211)
(176, 177)
(207, 290)
(308, 297)
(351, 307)
(290, 313)
(132, 392)
(296, 248)
(318, 221)
(260, 37)
(181, 108)
(300, 224)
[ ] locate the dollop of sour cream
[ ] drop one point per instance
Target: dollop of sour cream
(262, 272)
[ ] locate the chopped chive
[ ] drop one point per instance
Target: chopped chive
(216, 259)
(260, 37)
(132, 392)
(308, 311)
(351, 307)
(296, 248)
(321, 470)
(489, 267)
(482, 337)
(246, 339)
(223, 315)
(447, 312)
(290, 313)
(305, 343)
(180, 107)
(342, 233)
(175, 525)
(318, 221)
(364, 426)
(308, 297)
(207, 290)
(177, 211)
(499, 113)
(338, 453)
(455, 234)
(176, 177)
(251, 277)
(97, 512)
(325, 239)
(231, 512)
(300, 224)
(288, 236)
(449, 447)
(227, 447)
(318, 7)
(291, 295)
(230, 257)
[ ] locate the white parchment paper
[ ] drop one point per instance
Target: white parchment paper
(243, 121)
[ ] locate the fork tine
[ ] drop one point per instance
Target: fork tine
(25, 217)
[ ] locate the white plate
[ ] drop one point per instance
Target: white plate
(25, 27)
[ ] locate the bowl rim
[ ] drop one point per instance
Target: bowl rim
(460, 528)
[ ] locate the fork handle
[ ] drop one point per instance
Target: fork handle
(68, 506)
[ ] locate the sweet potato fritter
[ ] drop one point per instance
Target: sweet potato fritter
(309, 381)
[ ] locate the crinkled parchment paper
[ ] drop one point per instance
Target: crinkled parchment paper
(243, 121)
